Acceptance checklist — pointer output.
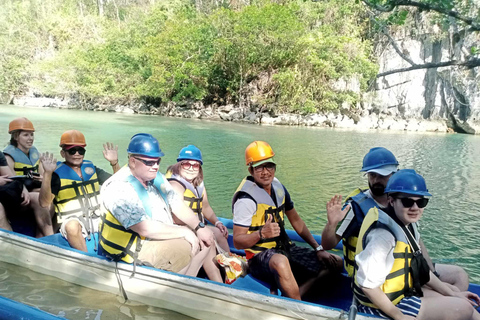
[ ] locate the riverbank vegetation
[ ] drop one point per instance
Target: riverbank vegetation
(286, 55)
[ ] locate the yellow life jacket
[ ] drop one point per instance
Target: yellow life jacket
(23, 164)
(193, 196)
(399, 281)
(123, 244)
(265, 206)
(360, 204)
(77, 196)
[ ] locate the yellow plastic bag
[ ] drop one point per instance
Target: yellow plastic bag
(235, 266)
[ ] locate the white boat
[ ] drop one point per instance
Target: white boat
(198, 298)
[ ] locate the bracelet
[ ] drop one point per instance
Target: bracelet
(319, 248)
(114, 163)
(218, 221)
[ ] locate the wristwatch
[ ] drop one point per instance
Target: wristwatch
(319, 248)
(200, 225)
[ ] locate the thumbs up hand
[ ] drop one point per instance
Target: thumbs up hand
(270, 229)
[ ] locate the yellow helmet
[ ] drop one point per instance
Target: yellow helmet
(258, 151)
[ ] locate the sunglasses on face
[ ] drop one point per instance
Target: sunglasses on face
(149, 163)
(187, 165)
(72, 151)
(269, 166)
(408, 203)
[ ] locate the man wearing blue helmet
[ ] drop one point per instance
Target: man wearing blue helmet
(392, 279)
(138, 226)
(379, 164)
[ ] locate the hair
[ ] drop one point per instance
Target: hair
(175, 169)
(14, 137)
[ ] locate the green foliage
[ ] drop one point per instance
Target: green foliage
(173, 51)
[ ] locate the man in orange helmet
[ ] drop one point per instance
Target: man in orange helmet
(259, 206)
(74, 187)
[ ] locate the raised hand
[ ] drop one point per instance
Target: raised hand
(110, 153)
(270, 229)
(335, 214)
(49, 162)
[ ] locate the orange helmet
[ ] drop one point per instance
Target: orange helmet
(20, 124)
(72, 138)
(257, 151)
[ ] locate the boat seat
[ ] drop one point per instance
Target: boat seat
(251, 283)
(57, 240)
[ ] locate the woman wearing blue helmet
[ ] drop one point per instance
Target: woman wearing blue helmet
(390, 271)
(186, 177)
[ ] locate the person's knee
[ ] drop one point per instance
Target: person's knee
(73, 228)
(279, 263)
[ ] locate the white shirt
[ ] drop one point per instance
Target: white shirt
(120, 198)
(376, 260)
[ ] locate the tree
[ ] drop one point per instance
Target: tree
(461, 17)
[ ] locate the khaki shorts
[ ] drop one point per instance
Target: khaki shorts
(171, 255)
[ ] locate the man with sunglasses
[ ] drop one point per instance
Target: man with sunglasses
(259, 208)
(138, 225)
(379, 164)
(74, 187)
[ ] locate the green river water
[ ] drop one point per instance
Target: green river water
(313, 163)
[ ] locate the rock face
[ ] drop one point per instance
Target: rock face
(448, 94)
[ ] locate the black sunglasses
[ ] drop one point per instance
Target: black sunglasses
(149, 163)
(72, 151)
(269, 166)
(408, 203)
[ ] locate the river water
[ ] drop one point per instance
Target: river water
(313, 163)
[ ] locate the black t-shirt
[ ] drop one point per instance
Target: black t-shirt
(101, 174)
(3, 160)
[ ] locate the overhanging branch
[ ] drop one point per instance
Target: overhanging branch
(466, 64)
(474, 26)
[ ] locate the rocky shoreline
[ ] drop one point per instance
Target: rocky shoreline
(362, 119)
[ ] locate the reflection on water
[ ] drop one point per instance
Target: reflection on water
(313, 163)
(70, 301)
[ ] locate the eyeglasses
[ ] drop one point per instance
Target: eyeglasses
(149, 163)
(72, 151)
(187, 165)
(269, 166)
(408, 203)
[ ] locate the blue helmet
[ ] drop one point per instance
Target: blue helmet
(377, 158)
(146, 145)
(407, 181)
(190, 152)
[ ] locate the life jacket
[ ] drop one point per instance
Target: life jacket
(360, 204)
(23, 164)
(399, 281)
(77, 196)
(123, 244)
(265, 206)
(193, 196)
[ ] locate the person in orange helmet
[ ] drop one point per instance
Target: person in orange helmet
(74, 187)
(259, 208)
(23, 159)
